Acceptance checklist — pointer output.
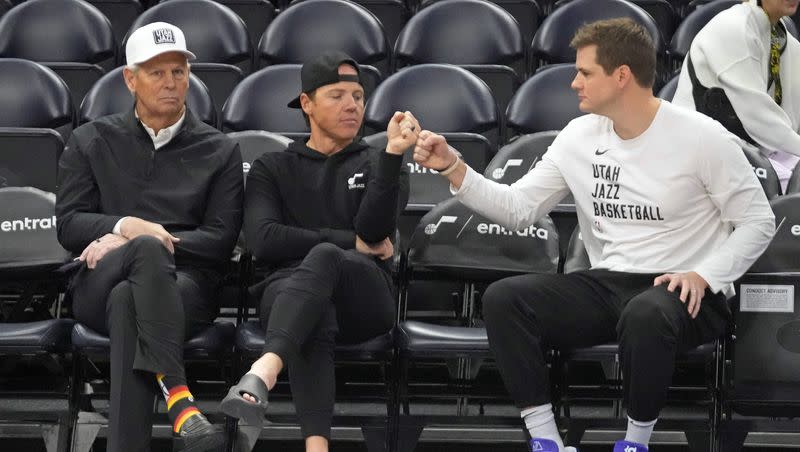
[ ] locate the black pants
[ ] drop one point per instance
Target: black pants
(334, 295)
(148, 309)
(525, 314)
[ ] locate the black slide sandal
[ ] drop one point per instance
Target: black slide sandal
(235, 405)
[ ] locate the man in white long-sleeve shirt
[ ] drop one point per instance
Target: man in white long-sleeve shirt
(670, 213)
(746, 53)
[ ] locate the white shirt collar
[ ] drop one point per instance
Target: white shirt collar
(164, 135)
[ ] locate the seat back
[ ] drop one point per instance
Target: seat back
(781, 254)
(518, 157)
(478, 35)
(444, 98)
(667, 92)
(576, 259)
(255, 143)
(32, 95)
(28, 229)
(663, 13)
(764, 172)
(244, 109)
(452, 239)
(544, 102)
(551, 43)
(460, 32)
(214, 33)
(692, 24)
(765, 367)
(307, 28)
(29, 158)
(121, 14)
(256, 14)
(57, 31)
(110, 95)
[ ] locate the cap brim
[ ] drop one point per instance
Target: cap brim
(295, 103)
(189, 56)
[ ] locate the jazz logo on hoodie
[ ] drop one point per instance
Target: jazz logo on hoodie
(353, 182)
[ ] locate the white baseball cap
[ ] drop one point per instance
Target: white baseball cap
(154, 39)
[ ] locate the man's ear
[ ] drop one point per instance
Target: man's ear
(305, 103)
(623, 75)
(130, 79)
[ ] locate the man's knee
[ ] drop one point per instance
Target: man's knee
(327, 253)
(649, 314)
(502, 299)
(148, 247)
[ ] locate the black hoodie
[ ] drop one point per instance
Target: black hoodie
(299, 198)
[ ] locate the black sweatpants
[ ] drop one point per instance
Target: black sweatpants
(148, 309)
(525, 314)
(333, 296)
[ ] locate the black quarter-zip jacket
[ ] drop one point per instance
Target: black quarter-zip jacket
(193, 186)
(299, 198)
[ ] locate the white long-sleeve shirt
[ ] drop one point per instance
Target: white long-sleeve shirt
(679, 197)
(732, 52)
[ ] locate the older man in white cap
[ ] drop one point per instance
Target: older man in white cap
(151, 202)
(742, 70)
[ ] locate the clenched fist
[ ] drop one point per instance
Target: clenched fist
(401, 132)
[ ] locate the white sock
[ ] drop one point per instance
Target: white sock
(639, 432)
(541, 423)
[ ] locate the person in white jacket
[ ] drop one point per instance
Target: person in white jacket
(670, 213)
(747, 76)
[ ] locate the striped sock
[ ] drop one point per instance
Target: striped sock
(180, 403)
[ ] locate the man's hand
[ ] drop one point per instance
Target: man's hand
(432, 151)
(133, 227)
(693, 288)
(383, 249)
(98, 248)
(401, 132)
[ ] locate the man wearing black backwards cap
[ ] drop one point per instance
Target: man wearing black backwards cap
(151, 200)
(320, 216)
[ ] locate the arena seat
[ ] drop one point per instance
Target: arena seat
(667, 92)
(544, 102)
(551, 43)
(29, 333)
(31, 95)
(453, 243)
(762, 386)
(474, 34)
(310, 27)
(280, 84)
(392, 14)
(444, 98)
(764, 172)
(121, 14)
(78, 45)
(256, 14)
(691, 25)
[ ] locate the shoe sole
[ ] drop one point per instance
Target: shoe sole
(213, 442)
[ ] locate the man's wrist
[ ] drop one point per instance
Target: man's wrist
(452, 167)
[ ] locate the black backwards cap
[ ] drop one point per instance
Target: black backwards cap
(324, 70)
